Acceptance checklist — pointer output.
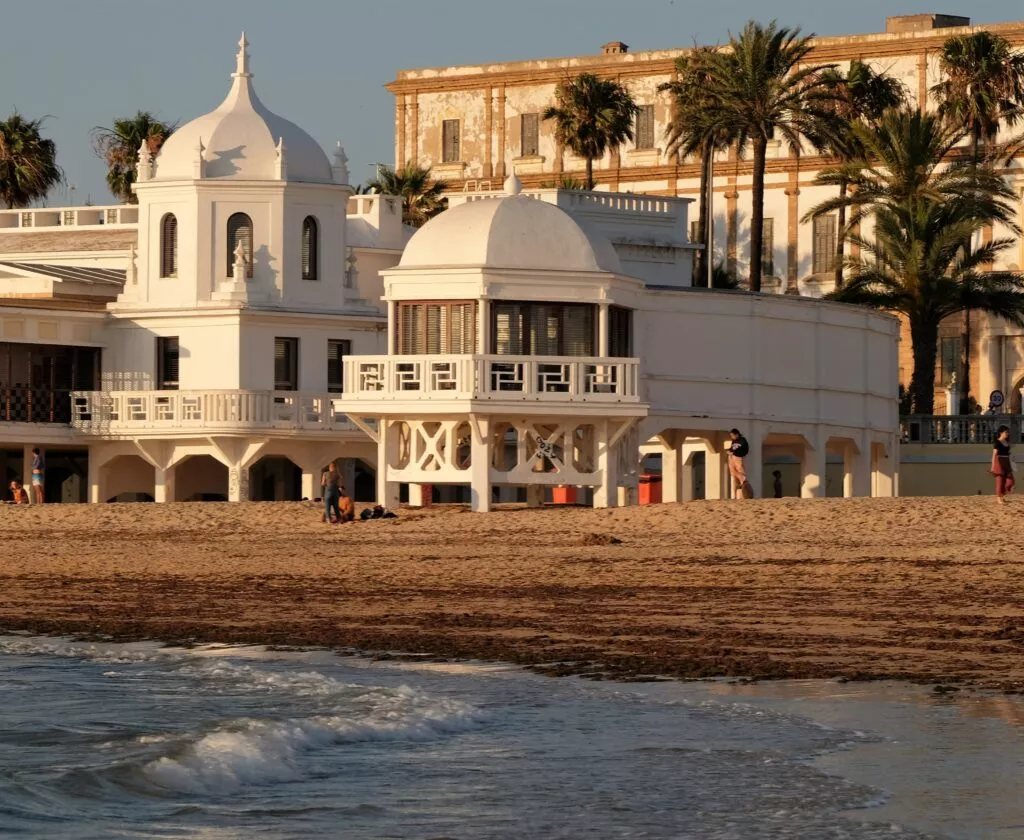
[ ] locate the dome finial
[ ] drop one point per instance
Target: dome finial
(513, 186)
(242, 59)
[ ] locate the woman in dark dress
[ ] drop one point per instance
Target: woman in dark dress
(1002, 466)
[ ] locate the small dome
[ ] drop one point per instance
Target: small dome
(240, 140)
(514, 231)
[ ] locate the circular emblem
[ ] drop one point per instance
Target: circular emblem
(995, 399)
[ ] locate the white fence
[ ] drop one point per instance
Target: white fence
(556, 379)
(101, 412)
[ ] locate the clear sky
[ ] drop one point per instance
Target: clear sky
(323, 63)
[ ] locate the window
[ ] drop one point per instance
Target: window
(542, 329)
(529, 135)
(239, 230)
(824, 253)
(949, 362)
(644, 135)
(450, 139)
(620, 331)
(437, 328)
(310, 249)
(286, 364)
(167, 363)
(768, 247)
(337, 350)
(169, 246)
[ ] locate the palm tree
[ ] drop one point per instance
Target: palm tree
(592, 116)
(28, 162)
(119, 147)
(862, 96)
(982, 89)
(923, 208)
(761, 87)
(422, 198)
(693, 128)
(564, 182)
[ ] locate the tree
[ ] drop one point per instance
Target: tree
(693, 128)
(28, 162)
(119, 147)
(760, 88)
(422, 198)
(923, 207)
(983, 88)
(592, 116)
(862, 96)
(564, 182)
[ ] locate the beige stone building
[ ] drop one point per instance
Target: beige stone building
(475, 125)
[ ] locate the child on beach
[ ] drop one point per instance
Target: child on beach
(1002, 465)
(19, 496)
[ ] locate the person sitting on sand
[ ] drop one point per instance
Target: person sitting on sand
(19, 495)
(1002, 464)
(348, 509)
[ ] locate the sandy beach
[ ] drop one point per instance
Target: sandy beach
(919, 589)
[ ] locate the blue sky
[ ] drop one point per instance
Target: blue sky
(323, 63)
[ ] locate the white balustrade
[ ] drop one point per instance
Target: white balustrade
(104, 412)
(493, 377)
(112, 216)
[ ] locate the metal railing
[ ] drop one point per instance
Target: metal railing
(25, 404)
(956, 428)
(539, 378)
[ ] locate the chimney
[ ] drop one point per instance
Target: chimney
(922, 23)
(614, 48)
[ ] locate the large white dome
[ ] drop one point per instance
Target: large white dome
(240, 140)
(513, 231)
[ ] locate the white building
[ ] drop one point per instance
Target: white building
(231, 334)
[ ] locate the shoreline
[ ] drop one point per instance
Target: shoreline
(854, 589)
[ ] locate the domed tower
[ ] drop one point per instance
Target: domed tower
(240, 207)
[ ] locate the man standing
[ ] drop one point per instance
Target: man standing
(738, 450)
(330, 483)
(38, 476)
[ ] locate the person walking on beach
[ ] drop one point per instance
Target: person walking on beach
(738, 450)
(777, 483)
(1002, 465)
(330, 483)
(38, 473)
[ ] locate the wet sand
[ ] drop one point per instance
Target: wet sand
(921, 589)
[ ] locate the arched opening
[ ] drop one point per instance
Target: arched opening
(127, 478)
(201, 478)
(169, 245)
(310, 249)
(239, 232)
(275, 478)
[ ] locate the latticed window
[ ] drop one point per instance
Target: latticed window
(768, 247)
(167, 354)
(286, 364)
(437, 328)
(824, 253)
(620, 331)
(239, 230)
(169, 246)
(529, 135)
(644, 134)
(310, 249)
(543, 329)
(337, 350)
(450, 141)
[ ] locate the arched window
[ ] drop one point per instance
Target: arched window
(169, 246)
(239, 230)
(310, 249)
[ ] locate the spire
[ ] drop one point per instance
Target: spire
(144, 167)
(280, 160)
(242, 59)
(340, 166)
(513, 186)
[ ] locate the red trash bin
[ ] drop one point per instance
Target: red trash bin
(563, 494)
(650, 489)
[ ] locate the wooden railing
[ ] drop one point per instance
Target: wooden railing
(26, 404)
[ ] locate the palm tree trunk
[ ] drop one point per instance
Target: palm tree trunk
(590, 173)
(757, 213)
(925, 339)
(701, 278)
(841, 245)
(965, 327)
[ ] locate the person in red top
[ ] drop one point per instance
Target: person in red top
(1002, 464)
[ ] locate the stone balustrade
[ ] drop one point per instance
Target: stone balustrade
(112, 216)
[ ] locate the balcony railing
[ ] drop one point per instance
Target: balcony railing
(102, 412)
(24, 404)
(967, 428)
(556, 379)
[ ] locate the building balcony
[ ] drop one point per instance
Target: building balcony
(28, 404)
(960, 428)
(547, 380)
(133, 412)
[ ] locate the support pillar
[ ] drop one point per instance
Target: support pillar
(310, 484)
(347, 468)
(602, 329)
(672, 469)
(387, 491)
(606, 494)
(754, 462)
(26, 472)
(163, 485)
(860, 469)
(95, 478)
(813, 463)
(714, 470)
(687, 482)
(480, 457)
(884, 470)
(238, 483)
(417, 497)
(534, 495)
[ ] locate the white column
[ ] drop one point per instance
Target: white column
(310, 484)
(26, 472)
(672, 469)
(238, 483)
(416, 495)
(884, 471)
(392, 326)
(387, 491)
(606, 494)
(686, 475)
(861, 467)
(95, 476)
(483, 328)
(602, 329)
(716, 483)
(812, 466)
(163, 485)
(480, 465)
(534, 495)
(754, 462)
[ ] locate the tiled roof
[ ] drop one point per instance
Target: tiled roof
(73, 273)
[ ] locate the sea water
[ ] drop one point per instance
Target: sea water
(134, 740)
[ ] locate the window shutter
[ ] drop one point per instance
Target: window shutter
(620, 331)
(530, 135)
(645, 127)
(239, 230)
(450, 139)
(169, 246)
(310, 249)
(768, 247)
(824, 252)
(337, 350)
(286, 364)
(577, 324)
(167, 355)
